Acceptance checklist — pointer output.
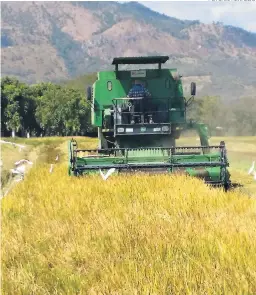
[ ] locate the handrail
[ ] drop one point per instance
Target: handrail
(164, 101)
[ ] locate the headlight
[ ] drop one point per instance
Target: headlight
(165, 128)
(157, 129)
(120, 129)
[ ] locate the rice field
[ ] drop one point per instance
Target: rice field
(140, 234)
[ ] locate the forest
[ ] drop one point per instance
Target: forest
(48, 109)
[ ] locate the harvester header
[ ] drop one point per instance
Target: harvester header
(139, 115)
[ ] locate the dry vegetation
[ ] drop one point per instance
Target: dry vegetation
(39, 62)
(136, 235)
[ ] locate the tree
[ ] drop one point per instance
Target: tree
(244, 110)
(208, 110)
(62, 110)
(11, 96)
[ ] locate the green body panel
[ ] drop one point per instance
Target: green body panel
(153, 158)
(161, 84)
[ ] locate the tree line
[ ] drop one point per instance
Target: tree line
(236, 117)
(42, 109)
(47, 109)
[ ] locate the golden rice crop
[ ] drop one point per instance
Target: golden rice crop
(136, 234)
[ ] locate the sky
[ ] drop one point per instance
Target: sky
(236, 13)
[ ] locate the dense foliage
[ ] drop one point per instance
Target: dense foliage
(52, 109)
(43, 108)
(236, 118)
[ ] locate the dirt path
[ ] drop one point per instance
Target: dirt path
(37, 150)
(29, 153)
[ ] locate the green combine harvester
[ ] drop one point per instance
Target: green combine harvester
(139, 115)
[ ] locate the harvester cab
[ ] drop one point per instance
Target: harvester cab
(139, 115)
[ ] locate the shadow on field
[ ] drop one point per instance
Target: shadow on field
(241, 188)
(235, 185)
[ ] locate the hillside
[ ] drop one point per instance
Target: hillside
(56, 41)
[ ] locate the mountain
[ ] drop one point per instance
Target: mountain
(56, 41)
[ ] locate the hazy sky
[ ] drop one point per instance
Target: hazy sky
(236, 13)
